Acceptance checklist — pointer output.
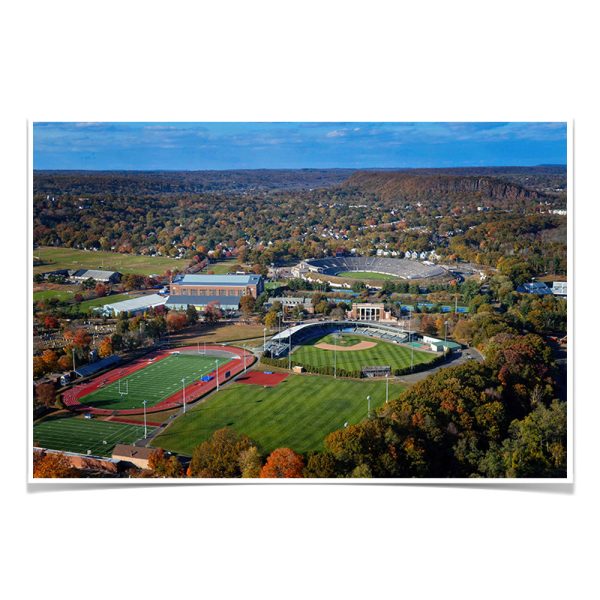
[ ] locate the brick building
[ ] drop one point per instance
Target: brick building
(217, 285)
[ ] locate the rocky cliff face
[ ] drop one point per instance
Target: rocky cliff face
(409, 187)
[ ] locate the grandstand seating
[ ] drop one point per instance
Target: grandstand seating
(278, 346)
(401, 268)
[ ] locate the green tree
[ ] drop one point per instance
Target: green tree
(220, 455)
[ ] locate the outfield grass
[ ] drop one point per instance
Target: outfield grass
(365, 275)
(383, 354)
(70, 258)
(74, 434)
(153, 383)
(297, 413)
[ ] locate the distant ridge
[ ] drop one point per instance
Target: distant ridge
(424, 185)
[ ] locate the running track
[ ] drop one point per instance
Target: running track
(72, 398)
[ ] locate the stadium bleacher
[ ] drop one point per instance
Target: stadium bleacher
(398, 267)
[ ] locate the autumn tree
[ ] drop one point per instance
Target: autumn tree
(101, 290)
(219, 456)
(283, 463)
(250, 462)
(247, 304)
(105, 348)
(213, 312)
(51, 322)
(39, 367)
(191, 315)
(163, 466)
(52, 465)
(523, 363)
(50, 358)
(536, 445)
(45, 394)
(176, 320)
(321, 464)
(271, 319)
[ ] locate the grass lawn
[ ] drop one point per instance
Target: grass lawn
(297, 413)
(70, 258)
(153, 383)
(75, 434)
(221, 267)
(384, 353)
(365, 275)
(62, 295)
(222, 332)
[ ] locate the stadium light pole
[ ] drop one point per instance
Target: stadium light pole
(183, 392)
(387, 388)
(368, 407)
(217, 372)
(145, 426)
(335, 356)
(290, 351)
(264, 338)
(412, 348)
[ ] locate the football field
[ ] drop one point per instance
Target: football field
(366, 275)
(382, 354)
(153, 383)
(75, 434)
(297, 413)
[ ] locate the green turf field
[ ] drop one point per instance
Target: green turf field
(75, 434)
(365, 275)
(70, 258)
(153, 383)
(61, 295)
(298, 413)
(384, 354)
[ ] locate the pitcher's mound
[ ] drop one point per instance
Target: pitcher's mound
(360, 346)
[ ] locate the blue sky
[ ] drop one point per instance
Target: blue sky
(195, 146)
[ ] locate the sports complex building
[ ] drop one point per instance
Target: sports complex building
(395, 267)
(217, 285)
(199, 291)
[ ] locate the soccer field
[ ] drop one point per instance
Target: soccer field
(298, 413)
(383, 354)
(153, 383)
(73, 434)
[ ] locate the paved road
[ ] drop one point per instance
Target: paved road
(454, 360)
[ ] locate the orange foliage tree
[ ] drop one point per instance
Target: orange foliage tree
(105, 347)
(283, 463)
(54, 466)
(176, 320)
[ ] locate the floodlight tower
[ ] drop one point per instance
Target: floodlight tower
(387, 388)
(217, 372)
(335, 340)
(145, 425)
(183, 392)
(368, 407)
(290, 351)
(412, 348)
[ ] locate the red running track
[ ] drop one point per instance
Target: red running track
(72, 398)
